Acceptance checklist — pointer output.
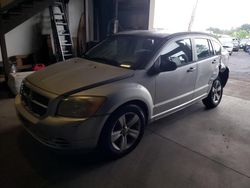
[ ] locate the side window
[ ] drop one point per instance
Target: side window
(202, 48)
(217, 48)
(179, 52)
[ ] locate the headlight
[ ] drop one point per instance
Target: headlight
(79, 106)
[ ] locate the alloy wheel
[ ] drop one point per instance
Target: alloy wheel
(216, 92)
(126, 131)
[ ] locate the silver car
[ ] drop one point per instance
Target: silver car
(106, 98)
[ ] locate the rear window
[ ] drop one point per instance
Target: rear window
(202, 48)
(217, 48)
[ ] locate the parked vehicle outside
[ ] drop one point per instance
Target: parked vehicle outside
(106, 98)
(227, 43)
(243, 43)
(236, 45)
(229, 47)
(247, 46)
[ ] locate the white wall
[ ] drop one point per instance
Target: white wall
(22, 39)
(75, 8)
(151, 14)
(89, 20)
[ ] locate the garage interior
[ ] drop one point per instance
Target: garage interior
(195, 147)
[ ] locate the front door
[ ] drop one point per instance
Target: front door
(175, 88)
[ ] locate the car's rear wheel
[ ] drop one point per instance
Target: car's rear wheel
(215, 94)
(123, 131)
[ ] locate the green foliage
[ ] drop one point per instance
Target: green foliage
(245, 27)
(240, 32)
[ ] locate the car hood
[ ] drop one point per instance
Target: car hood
(76, 75)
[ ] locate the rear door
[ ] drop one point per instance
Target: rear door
(207, 64)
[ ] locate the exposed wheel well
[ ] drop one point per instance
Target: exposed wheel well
(224, 76)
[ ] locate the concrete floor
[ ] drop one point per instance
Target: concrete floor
(192, 148)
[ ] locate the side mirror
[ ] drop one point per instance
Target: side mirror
(166, 65)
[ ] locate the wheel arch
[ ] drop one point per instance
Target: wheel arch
(138, 103)
(224, 76)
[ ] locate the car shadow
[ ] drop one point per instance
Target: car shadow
(5, 92)
(59, 165)
(52, 164)
(42, 165)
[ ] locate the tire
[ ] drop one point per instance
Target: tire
(215, 95)
(127, 127)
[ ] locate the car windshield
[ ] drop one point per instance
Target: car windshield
(130, 52)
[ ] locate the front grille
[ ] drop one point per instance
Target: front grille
(34, 102)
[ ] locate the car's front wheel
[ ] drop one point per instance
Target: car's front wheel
(215, 95)
(123, 131)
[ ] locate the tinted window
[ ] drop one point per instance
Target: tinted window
(202, 48)
(131, 52)
(179, 52)
(217, 48)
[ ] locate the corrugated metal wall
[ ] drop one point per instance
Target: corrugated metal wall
(132, 14)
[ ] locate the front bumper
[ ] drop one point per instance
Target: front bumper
(61, 132)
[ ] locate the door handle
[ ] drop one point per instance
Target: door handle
(214, 61)
(191, 69)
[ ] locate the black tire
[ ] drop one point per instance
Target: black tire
(215, 95)
(113, 125)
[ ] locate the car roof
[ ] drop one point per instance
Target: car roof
(144, 33)
(158, 34)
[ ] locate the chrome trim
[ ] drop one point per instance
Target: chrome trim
(39, 104)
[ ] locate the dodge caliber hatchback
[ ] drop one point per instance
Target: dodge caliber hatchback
(106, 98)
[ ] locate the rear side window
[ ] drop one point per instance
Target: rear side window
(217, 48)
(179, 51)
(202, 48)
